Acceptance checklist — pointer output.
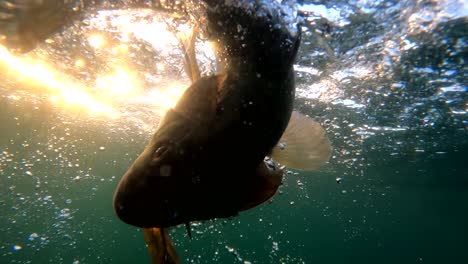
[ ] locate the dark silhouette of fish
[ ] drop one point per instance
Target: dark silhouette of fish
(206, 159)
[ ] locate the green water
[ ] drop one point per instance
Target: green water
(402, 208)
(391, 95)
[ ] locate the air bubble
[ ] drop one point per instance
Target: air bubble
(17, 247)
(33, 236)
(64, 214)
(275, 246)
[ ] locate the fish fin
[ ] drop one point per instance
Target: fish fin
(304, 144)
(160, 246)
(261, 186)
(187, 41)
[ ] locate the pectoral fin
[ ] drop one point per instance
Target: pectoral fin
(160, 246)
(303, 146)
(261, 186)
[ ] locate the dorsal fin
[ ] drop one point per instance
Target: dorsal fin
(304, 144)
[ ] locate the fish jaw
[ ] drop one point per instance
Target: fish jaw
(139, 198)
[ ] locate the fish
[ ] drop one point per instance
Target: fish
(218, 151)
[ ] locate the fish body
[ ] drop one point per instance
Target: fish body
(209, 150)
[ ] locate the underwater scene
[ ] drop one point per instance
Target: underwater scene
(387, 80)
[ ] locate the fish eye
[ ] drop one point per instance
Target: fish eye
(159, 152)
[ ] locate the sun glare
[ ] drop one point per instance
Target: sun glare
(67, 92)
(118, 83)
(121, 85)
(80, 63)
(167, 97)
(96, 41)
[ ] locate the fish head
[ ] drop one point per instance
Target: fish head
(151, 191)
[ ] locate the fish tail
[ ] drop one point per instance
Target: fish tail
(160, 246)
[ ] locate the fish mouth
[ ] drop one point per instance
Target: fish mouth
(144, 216)
(146, 204)
(164, 202)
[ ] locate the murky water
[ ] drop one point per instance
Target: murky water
(387, 79)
